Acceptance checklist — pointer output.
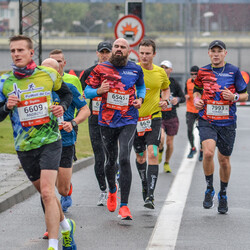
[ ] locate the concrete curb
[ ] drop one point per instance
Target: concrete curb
(17, 187)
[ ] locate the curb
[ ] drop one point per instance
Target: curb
(19, 188)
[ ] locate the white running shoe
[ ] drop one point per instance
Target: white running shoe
(102, 198)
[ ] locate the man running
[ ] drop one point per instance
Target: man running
(170, 121)
(58, 55)
(192, 112)
(68, 136)
(218, 86)
(26, 95)
(103, 53)
(116, 81)
(147, 138)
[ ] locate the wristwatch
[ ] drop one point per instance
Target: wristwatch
(74, 124)
(236, 97)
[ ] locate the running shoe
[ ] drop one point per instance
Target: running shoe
(112, 201)
(46, 235)
(167, 168)
(68, 237)
(66, 202)
(209, 199)
(222, 208)
(149, 202)
(124, 213)
(201, 156)
(160, 156)
(102, 199)
(192, 152)
(51, 248)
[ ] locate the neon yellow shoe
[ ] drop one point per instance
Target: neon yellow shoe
(51, 248)
(160, 156)
(167, 168)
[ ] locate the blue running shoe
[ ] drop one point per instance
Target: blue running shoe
(68, 237)
(209, 199)
(222, 208)
(66, 202)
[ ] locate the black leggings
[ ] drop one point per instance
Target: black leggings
(110, 137)
(190, 120)
(97, 145)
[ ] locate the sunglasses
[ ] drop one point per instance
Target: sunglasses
(193, 74)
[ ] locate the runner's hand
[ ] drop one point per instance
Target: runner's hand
(104, 88)
(163, 104)
(227, 94)
(67, 126)
(12, 101)
(137, 103)
(57, 110)
(198, 103)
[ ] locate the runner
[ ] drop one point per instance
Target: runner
(103, 53)
(68, 137)
(115, 81)
(58, 55)
(192, 112)
(170, 121)
(148, 134)
(26, 95)
(218, 86)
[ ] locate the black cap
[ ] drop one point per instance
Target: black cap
(194, 68)
(104, 45)
(217, 43)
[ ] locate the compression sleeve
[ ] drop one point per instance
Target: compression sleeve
(65, 96)
(4, 111)
(90, 93)
(141, 91)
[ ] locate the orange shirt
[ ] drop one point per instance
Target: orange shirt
(190, 101)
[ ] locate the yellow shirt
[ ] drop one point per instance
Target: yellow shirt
(155, 80)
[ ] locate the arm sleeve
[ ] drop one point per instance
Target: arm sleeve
(90, 92)
(4, 111)
(180, 93)
(65, 96)
(141, 91)
(140, 85)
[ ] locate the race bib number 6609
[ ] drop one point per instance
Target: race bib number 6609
(33, 112)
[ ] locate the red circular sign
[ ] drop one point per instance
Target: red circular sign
(131, 28)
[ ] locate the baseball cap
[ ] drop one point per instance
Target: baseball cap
(217, 43)
(104, 45)
(166, 63)
(194, 68)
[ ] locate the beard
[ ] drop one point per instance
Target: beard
(118, 61)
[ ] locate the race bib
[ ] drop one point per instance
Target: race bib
(117, 99)
(144, 125)
(96, 103)
(218, 110)
(33, 112)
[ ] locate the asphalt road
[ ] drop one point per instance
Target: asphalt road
(22, 226)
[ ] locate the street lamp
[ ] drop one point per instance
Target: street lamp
(207, 15)
(87, 29)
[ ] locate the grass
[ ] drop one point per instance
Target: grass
(83, 146)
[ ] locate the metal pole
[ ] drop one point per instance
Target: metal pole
(40, 33)
(20, 17)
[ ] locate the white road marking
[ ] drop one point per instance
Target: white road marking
(168, 223)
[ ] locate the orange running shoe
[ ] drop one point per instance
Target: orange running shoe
(112, 201)
(46, 235)
(124, 213)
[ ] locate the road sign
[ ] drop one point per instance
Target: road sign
(131, 28)
(133, 56)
